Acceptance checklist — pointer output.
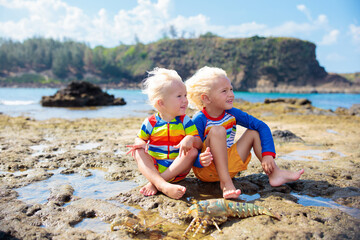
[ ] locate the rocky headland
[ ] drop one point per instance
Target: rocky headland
(323, 204)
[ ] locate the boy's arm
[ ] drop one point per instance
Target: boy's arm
(139, 141)
(192, 130)
(250, 122)
(197, 162)
(138, 144)
(200, 123)
(197, 142)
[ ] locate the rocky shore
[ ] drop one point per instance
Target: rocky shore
(323, 204)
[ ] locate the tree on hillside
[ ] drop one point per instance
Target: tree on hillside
(172, 31)
(60, 62)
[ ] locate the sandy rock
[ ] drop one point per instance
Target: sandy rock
(61, 194)
(355, 109)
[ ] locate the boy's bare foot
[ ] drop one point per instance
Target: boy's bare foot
(278, 177)
(229, 191)
(172, 190)
(148, 190)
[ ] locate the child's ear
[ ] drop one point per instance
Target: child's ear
(205, 98)
(160, 102)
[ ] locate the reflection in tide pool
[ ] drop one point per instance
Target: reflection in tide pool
(309, 155)
(129, 208)
(87, 146)
(93, 224)
(39, 149)
(95, 186)
(248, 198)
(325, 202)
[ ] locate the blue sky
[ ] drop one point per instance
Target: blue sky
(333, 25)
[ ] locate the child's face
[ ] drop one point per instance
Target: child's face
(221, 95)
(175, 101)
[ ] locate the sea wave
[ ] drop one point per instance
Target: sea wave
(16, 102)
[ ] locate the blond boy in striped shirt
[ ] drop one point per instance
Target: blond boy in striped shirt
(167, 143)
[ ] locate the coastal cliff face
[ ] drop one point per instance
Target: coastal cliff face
(253, 64)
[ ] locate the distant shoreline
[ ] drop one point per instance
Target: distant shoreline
(137, 86)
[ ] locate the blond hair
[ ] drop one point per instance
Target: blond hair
(201, 83)
(156, 84)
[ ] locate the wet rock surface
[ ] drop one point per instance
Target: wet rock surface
(286, 136)
(81, 94)
(324, 203)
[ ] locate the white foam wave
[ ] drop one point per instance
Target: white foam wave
(16, 102)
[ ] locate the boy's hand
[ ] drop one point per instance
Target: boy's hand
(136, 146)
(268, 164)
(185, 145)
(206, 157)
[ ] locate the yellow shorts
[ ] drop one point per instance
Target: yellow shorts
(235, 165)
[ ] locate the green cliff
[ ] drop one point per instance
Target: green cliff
(253, 64)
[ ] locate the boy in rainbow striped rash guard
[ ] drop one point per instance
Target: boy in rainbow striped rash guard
(168, 141)
(222, 158)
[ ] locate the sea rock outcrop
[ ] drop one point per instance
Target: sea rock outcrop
(81, 94)
(295, 101)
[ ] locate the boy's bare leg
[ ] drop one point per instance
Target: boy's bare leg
(277, 176)
(158, 181)
(180, 165)
(216, 140)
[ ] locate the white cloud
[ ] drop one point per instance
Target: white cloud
(243, 30)
(303, 8)
(330, 38)
(57, 19)
(355, 33)
(322, 20)
(48, 18)
(320, 24)
(335, 57)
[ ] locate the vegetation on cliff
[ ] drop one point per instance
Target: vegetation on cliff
(251, 63)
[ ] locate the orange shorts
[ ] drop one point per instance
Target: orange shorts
(235, 165)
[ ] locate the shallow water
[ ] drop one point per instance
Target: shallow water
(93, 224)
(130, 209)
(249, 198)
(95, 186)
(26, 102)
(309, 155)
(87, 146)
(306, 200)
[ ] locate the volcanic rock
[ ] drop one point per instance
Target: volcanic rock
(81, 94)
(286, 136)
(295, 101)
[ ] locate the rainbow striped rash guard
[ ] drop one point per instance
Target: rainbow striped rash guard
(162, 136)
(229, 119)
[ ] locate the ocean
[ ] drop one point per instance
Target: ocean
(26, 102)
